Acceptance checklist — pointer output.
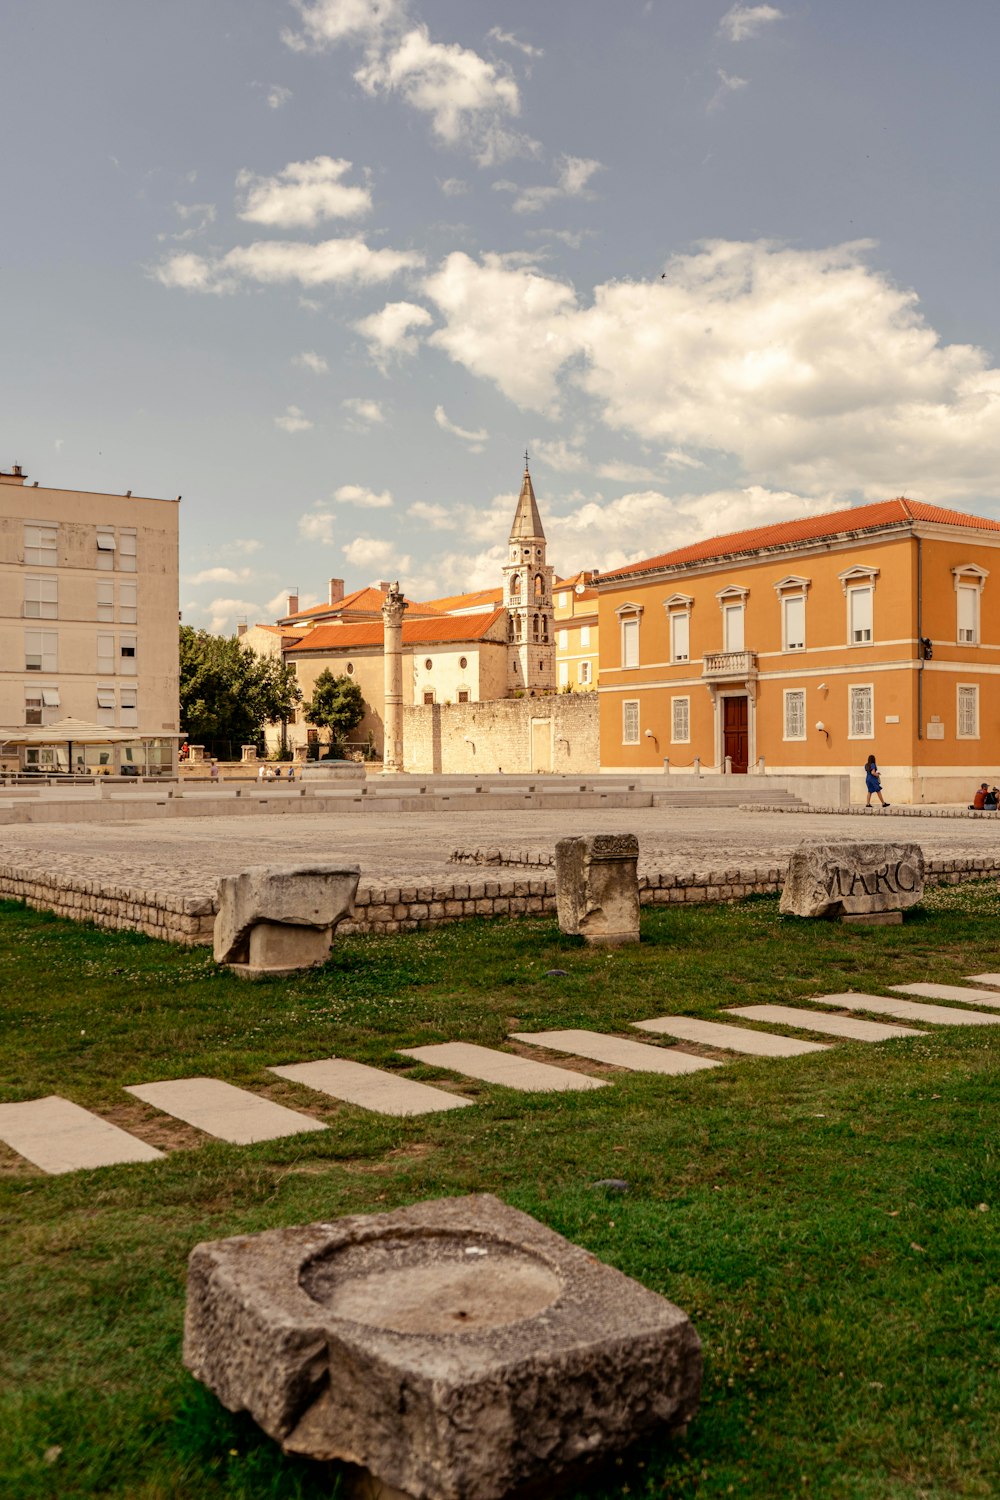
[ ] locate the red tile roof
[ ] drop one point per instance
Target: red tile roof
(349, 635)
(361, 601)
(859, 518)
(488, 597)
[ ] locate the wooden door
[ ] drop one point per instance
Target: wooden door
(736, 733)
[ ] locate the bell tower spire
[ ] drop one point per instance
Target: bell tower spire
(528, 599)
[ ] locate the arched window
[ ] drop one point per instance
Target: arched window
(510, 627)
(535, 628)
(545, 627)
(515, 586)
(539, 586)
(517, 627)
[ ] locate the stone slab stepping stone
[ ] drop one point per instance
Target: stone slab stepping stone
(370, 1088)
(505, 1068)
(990, 979)
(60, 1136)
(220, 1109)
(732, 1038)
(949, 992)
(909, 1010)
(818, 1020)
(617, 1050)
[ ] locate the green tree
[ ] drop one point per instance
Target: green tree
(228, 692)
(337, 704)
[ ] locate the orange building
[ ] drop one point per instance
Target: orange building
(575, 620)
(806, 646)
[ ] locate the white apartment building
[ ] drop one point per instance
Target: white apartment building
(88, 628)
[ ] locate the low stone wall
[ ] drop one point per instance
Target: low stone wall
(520, 858)
(876, 811)
(389, 909)
(555, 732)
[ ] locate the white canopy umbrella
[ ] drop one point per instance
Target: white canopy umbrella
(72, 731)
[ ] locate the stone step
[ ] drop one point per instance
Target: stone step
(619, 1051)
(60, 1136)
(729, 1038)
(990, 979)
(847, 1027)
(909, 1010)
(370, 1088)
(220, 1109)
(949, 992)
(504, 1068)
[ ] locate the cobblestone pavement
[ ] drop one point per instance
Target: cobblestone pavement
(186, 857)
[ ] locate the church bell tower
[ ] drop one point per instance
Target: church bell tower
(527, 597)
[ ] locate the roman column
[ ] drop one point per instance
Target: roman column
(392, 652)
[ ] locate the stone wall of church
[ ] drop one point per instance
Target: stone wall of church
(554, 732)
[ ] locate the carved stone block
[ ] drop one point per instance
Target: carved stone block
(274, 920)
(845, 879)
(454, 1349)
(597, 888)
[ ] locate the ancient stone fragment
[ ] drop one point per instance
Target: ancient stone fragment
(597, 888)
(276, 919)
(845, 879)
(456, 1348)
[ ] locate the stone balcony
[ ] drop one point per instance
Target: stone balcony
(729, 666)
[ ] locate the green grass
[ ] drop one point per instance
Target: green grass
(821, 1218)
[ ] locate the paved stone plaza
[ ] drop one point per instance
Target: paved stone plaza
(186, 857)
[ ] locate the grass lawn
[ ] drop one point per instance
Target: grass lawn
(828, 1221)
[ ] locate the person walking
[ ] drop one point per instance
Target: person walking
(873, 782)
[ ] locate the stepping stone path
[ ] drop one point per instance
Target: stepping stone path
(908, 1010)
(729, 1038)
(370, 1088)
(820, 1020)
(619, 1051)
(504, 1068)
(949, 992)
(60, 1136)
(222, 1110)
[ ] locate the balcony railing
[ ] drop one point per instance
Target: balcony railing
(723, 666)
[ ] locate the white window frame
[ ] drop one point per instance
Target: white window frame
(128, 603)
(858, 577)
(34, 704)
(106, 547)
(584, 674)
(680, 623)
(584, 637)
(105, 654)
(41, 597)
(962, 689)
(676, 705)
(968, 588)
(787, 644)
(563, 600)
(105, 601)
(41, 544)
(562, 640)
(128, 546)
(42, 648)
(128, 708)
(630, 642)
(855, 593)
(787, 695)
(563, 674)
(107, 703)
(128, 655)
(861, 687)
(631, 724)
(734, 626)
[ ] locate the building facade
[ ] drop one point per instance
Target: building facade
(575, 619)
(806, 646)
(88, 627)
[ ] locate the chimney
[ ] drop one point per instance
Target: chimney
(241, 627)
(383, 587)
(336, 590)
(16, 475)
(293, 604)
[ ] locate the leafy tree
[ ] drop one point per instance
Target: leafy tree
(228, 692)
(337, 704)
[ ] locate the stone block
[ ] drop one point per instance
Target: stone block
(277, 919)
(597, 890)
(453, 1349)
(851, 879)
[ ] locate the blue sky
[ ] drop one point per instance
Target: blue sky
(326, 268)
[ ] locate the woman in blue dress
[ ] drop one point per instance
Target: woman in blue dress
(873, 782)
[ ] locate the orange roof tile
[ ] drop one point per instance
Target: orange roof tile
(349, 635)
(362, 601)
(899, 512)
(490, 597)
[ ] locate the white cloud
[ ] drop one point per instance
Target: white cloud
(59, 444)
(573, 179)
(374, 552)
(277, 96)
(358, 494)
(310, 360)
(293, 420)
(303, 194)
(363, 412)
(205, 212)
(510, 40)
(222, 575)
(328, 22)
(435, 516)
(511, 325)
(453, 187)
(626, 473)
(808, 368)
(272, 262)
(565, 457)
(390, 332)
(728, 84)
(474, 439)
(318, 526)
(745, 21)
(243, 546)
(222, 615)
